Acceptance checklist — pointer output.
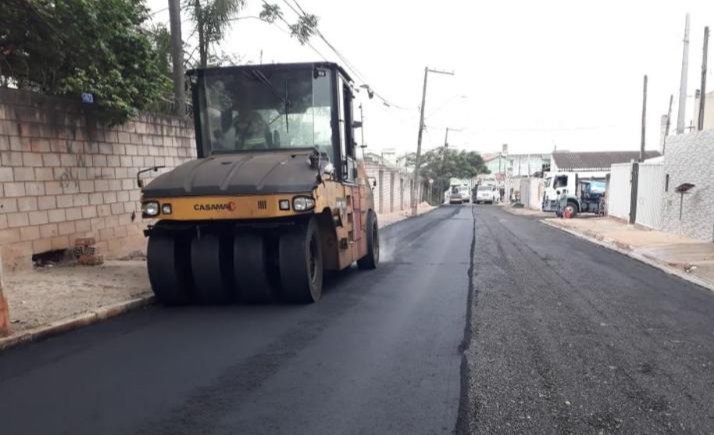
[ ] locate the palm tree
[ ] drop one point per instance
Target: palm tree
(212, 18)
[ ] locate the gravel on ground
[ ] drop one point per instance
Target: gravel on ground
(46, 294)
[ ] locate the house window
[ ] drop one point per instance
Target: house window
(666, 183)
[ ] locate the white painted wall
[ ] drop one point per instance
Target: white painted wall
(620, 190)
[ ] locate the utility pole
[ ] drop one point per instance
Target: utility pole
(668, 124)
(683, 80)
(417, 163)
(703, 92)
(443, 156)
(669, 116)
(644, 120)
(177, 58)
(443, 163)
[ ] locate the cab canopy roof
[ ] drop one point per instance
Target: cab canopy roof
(267, 67)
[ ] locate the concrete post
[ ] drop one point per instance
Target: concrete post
(634, 185)
(4, 310)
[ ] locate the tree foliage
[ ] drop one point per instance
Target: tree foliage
(304, 28)
(442, 164)
(69, 47)
(212, 18)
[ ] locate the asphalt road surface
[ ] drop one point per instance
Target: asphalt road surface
(562, 337)
(567, 337)
(380, 353)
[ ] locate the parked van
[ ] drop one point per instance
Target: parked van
(487, 194)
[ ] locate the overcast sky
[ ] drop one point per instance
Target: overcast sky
(531, 74)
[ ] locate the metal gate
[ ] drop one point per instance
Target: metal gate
(619, 191)
(525, 191)
(650, 195)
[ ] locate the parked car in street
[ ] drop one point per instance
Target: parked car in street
(487, 194)
(456, 197)
(459, 195)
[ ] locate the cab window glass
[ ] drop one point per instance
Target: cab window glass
(561, 181)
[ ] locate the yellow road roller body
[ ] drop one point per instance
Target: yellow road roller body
(276, 196)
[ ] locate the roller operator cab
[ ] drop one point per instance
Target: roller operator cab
(276, 196)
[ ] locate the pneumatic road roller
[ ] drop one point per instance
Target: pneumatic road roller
(276, 196)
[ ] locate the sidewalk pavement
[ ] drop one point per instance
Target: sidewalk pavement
(386, 219)
(690, 259)
(48, 300)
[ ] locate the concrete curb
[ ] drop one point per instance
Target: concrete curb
(409, 217)
(639, 257)
(85, 319)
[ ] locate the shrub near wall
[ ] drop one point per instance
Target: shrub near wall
(64, 177)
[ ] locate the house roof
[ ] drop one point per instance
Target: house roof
(596, 160)
(487, 157)
(491, 156)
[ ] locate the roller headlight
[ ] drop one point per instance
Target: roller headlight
(284, 204)
(303, 203)
(150, 209)
(166, 209)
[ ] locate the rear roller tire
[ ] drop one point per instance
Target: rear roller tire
(300, 261)
(169, 267)
(371, 260)
(250, 269)
(211, 266)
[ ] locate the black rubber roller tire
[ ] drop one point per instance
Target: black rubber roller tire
(300, 260)
(250, 268)
(169, 267)
(371, 260)
(211, 266)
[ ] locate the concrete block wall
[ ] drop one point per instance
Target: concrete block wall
(689, 159)
(393, 191)
(63, 176)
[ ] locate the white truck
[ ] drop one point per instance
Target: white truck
(557, 183)
(567, 195)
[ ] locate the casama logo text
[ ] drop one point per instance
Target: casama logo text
(227, 206)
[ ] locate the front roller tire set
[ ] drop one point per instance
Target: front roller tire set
(247, 267)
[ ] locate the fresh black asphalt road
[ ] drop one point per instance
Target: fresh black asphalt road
(567, 337)
(380, 353)
(477, 322)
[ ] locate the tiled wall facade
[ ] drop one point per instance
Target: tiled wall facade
(63, 177)
(689, 158)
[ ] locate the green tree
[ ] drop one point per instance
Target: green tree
(70, 47)
(443, 164)
(212, 18)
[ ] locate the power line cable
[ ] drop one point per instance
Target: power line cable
(280, 16)
(358, 74)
